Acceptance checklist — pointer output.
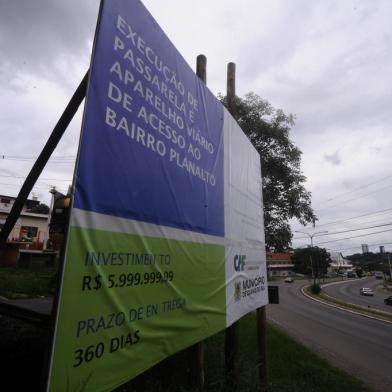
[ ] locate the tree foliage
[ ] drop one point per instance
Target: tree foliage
(40, 208)
(304, 259)
(370, 261)
(284, 193)
(315, 287)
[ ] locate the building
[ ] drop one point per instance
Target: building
(365, 248)
(382, 249)
(59, 219)
(339, 263)
(30, 228)
(280, 264)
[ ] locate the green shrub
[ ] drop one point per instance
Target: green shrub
(315, 287)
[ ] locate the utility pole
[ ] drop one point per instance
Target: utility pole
(311, 248)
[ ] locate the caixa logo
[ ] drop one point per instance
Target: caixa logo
(239, 262)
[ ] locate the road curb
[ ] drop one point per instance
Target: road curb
(341, 308)
(338, 282)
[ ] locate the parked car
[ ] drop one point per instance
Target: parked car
(365, 291)
(289, 280)
(388, 300)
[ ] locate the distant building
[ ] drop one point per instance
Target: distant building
(365, 248)
(280, 264)
(382, 249)
(339, 263)
(31, 228)
(59, 219)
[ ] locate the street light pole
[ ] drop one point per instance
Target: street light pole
(311, 248)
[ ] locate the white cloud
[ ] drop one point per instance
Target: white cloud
(328, 62)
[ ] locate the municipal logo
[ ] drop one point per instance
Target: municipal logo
(237, 291)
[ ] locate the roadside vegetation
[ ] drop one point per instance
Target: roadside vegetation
(27, 283)
(315, 288)
(291, 367)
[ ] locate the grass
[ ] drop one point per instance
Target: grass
(16, 282)
(294, 368)
(291, 367)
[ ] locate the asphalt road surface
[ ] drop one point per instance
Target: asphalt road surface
(359, 345)
(348, 291)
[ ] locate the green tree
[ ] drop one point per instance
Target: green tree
(359, 272)
(284, 193)
(304, 259)
(370, 261)
(40, 208)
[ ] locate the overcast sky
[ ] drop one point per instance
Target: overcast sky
(328, 62)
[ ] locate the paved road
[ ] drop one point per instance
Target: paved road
(361, 346)
(348, 291)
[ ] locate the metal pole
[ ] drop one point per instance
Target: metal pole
(311, 265)
(311, 258)
(317, 264)
(390, 270)
(311, 249)
(43, 158)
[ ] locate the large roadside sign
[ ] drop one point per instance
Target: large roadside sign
(166, 241)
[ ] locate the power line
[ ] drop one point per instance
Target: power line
(2, 183)
(379, 212)
(347, 231)
(56, 159)
(358, 246)
(19, 185)
(380, 220)
(357, 189)
(356, 236)
(40, 179)
(355, 198)
(34, 157)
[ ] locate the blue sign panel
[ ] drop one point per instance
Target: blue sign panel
(152, 144)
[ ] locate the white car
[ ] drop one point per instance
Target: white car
(289, 280)
(365, 291)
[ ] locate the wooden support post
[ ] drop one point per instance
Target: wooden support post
(35, 172)
(196, 366)
(231, 357)
(262, 346)
(196, 352)
(231, 89)
(201, 67)
(231, 337)
(43, 158)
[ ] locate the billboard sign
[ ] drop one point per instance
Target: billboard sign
(166, 242)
